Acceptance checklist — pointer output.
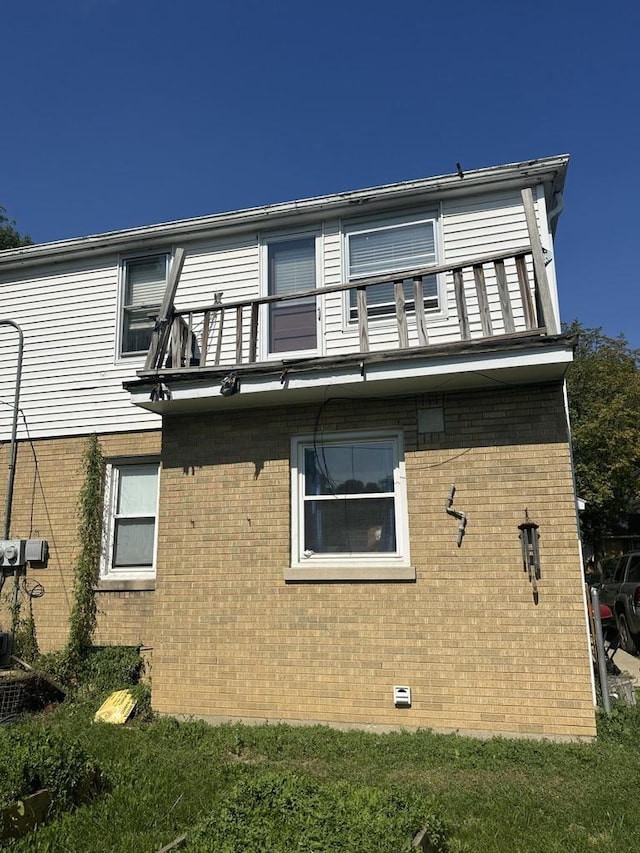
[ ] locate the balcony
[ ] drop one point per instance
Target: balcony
(497, 323)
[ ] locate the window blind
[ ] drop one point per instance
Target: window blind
(292, 266)
(146, 279)
(386, 250)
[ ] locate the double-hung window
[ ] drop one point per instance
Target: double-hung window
(291, 268)
(384, 249)
(129, 524)
(144, 283)
(349, 502)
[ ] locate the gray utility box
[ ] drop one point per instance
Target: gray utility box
(36, 551)
(15, 553)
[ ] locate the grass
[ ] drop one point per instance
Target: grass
(236, 782)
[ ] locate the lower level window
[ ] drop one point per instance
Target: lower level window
(349, 503)
(131, 502)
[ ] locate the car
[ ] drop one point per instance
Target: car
(620, 590)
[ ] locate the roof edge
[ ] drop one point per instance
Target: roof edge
(548, 170)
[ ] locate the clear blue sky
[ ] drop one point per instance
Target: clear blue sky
(118, 113)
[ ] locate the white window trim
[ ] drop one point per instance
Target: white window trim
(363, 226)
(265, 240)
(120, 306)
(130, 573)
(361, 565)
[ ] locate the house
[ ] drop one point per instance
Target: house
(329, 426)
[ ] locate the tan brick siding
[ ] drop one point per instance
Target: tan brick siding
(234, 640)
(48, 480)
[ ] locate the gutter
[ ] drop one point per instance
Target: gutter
(549, 170)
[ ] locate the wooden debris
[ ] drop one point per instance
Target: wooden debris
(422, 842)
(178, 842)
(22, 816)
(40, 674)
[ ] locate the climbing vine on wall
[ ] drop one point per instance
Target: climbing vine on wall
(82, 622)
(23, 627)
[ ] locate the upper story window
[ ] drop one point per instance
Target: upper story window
(129, 522)
(144, 283)
(379, 250)
(291, 268)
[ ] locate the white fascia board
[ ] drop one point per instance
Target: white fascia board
(525, 173)
(371, 379)
(466, 364)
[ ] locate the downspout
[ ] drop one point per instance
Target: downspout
(602, 659)
(555, 211)
(13, 451)
(14, 431)
(585, 604)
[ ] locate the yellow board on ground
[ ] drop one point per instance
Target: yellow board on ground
(116, 709)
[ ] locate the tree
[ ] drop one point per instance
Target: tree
(10, 238)
(603, 385)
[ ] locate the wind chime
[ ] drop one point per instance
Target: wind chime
(529, 539)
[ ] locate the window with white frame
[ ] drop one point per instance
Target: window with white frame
(384, 249)
(291, 268)
(144, 283)
(129, 524)
(349, 501)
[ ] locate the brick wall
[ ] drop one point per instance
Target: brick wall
(48, 480)
(233, 640)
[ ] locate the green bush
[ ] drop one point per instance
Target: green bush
(35, 758)
(621, 725)
(110, 668)
(98, 670)
(279, 812)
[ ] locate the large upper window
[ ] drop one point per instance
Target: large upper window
(291, 269)
(144, 284)
(349, 502)
(374, 251)
(130, 511)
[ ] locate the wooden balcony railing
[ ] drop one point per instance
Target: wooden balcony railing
(196, 337)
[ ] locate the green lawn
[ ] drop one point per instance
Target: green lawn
(253, 785)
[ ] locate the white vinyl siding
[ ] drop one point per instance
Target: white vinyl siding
(229, 267)
(482, 225)
(70, 314)
(71, 379)
(71, 311)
